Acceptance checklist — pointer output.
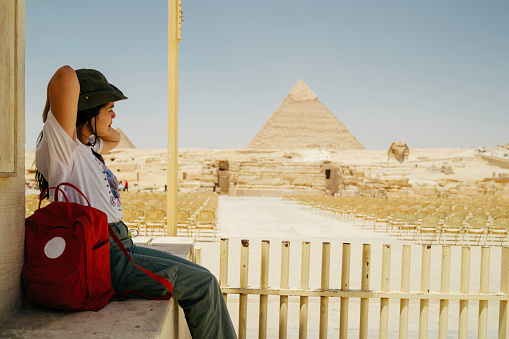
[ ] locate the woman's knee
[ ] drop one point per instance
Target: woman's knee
(204, 269)
(211, 285)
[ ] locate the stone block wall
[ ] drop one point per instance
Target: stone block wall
(276, 175)
(264, 175)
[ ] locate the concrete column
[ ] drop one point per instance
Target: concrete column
(12, 153)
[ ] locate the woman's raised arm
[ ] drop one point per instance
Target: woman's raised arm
(63, 94)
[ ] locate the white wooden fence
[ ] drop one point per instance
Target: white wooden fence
(365, 294)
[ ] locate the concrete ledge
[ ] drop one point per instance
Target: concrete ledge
(132, 318)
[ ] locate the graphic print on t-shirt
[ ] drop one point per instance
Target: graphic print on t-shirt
(113, 184)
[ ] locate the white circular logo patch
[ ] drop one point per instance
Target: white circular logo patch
(55, 247)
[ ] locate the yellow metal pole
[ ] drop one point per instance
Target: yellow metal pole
(174, 34)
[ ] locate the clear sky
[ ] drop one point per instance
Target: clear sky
(430, 73)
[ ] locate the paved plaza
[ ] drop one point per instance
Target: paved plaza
(258, 219)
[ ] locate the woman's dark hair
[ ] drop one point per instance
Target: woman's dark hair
(83, 117)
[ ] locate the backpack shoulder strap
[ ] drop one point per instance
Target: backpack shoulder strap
(154, 276)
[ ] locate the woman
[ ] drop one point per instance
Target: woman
(77, 129)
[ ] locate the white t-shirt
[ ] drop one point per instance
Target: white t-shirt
(62, 159)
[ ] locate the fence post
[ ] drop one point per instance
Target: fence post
(223, 266)
(503, 319)
(405, 287)
(304, 285)
(464, 288)
(386, 283)
(484, 288)
(264, 283)
(424, 304)
(244, 269)
(283, 300)
(345, 286)
(444, 288)
(324, 301)
(197, 255)
(364, 311)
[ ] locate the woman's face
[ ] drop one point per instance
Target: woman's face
(103, 120)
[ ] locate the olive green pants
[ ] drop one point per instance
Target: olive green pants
(194, 287)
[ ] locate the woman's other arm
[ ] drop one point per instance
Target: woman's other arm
(63, 94)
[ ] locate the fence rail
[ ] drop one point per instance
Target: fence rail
(365, 294)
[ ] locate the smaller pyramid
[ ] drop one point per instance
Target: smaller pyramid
(124, 140)
(302, 121)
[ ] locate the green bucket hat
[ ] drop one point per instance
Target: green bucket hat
(95, 90)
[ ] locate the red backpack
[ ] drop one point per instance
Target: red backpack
(67, 256)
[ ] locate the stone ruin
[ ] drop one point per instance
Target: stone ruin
(398, 151)
(271, 173)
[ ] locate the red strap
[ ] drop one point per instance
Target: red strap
(69, 212)
(70, 185)
(157, 277)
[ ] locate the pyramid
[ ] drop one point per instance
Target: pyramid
(124, 140)
(302, 121)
